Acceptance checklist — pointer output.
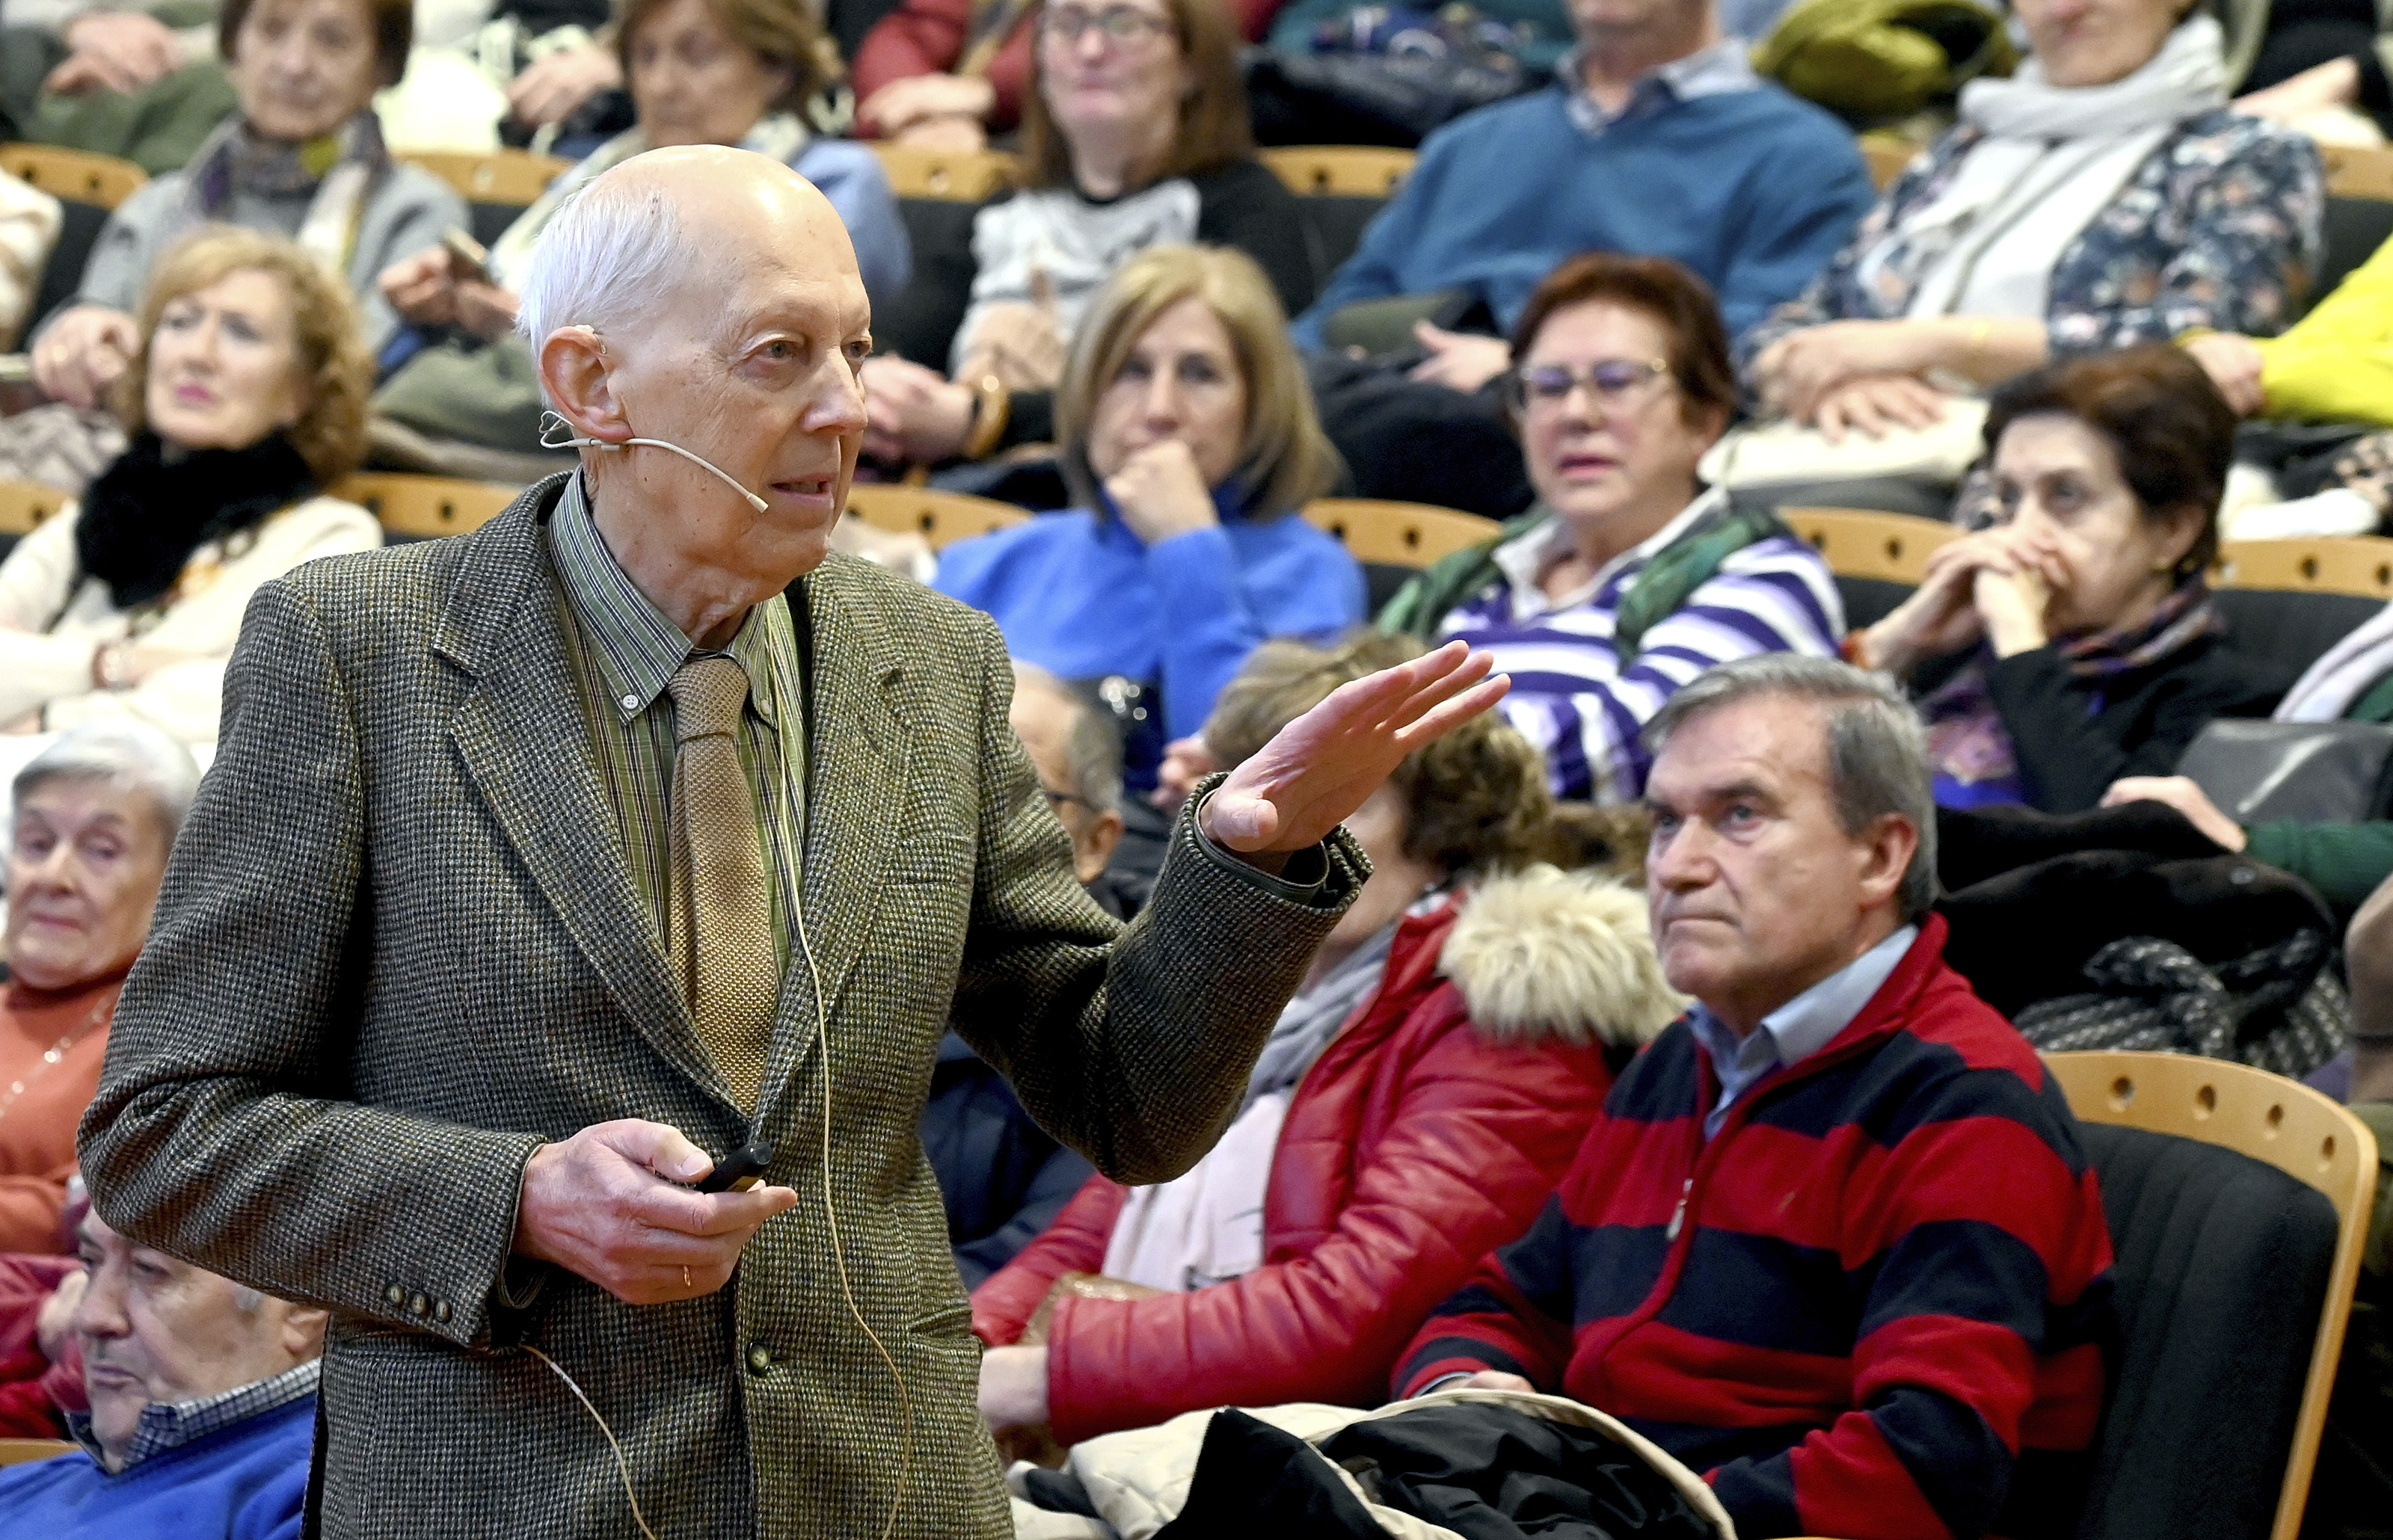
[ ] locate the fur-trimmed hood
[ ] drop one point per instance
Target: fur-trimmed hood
(1550, 954)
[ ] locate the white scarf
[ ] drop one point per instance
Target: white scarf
(2330, 686)
(2050, 161)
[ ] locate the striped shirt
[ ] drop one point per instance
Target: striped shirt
(625, 652)
(170, 1425)
(1572, 694)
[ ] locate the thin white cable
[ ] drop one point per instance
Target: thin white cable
(701, 462)
(622, 1465)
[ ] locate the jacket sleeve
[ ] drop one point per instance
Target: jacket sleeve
(1972, 1283)
(2069, 756)
(2345, 862)
(1794, 225)
(1213, 620)
(2336, 364)
(1479, 1136)
(221, 1088)
(920, 37)
(1075, 1243)
(1131, 1045)
(1513, 1315)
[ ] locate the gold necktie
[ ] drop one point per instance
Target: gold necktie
(721, 914)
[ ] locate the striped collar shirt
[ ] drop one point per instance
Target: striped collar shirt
(1797, 1030)
(170, 1425)
(1583, 704)
(625, 652)
(1724, 66)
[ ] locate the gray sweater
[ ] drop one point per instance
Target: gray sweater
(408, 210)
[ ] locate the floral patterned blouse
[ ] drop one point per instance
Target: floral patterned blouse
(2220, 227)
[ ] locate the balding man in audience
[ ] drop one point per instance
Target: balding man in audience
(542, 868)
(203, 1407)
(1832, 1242)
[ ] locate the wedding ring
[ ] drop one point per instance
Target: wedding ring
(685, 1277)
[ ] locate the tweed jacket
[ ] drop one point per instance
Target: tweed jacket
(398, 947)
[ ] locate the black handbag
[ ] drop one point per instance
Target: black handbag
(2308, 772)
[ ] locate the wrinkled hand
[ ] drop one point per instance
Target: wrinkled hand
(422, 288)
(1875, 405)
(2233, 363)
(85, 351)
(1014, 1387)
(486, 309)
(1160, 492)
(1797, 372)
(551, 87)
(1459, 361)
(1322, 766)
(912, 413)
(54, 1324)
(2012, 592)
(115, 51)
(2185, 797)
(902, 103)
(2333, 83)
(1186, 761)
(1489, 1380)
(1020, 344)
(608, 1204)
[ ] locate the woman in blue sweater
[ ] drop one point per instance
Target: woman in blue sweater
(1186, 431)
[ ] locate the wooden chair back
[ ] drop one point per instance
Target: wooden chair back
(1339, 170)
(961, 179)
(516, 176)
(2361, 564)
(2352, 172)
(24, 504)
(1886, 155)
(23, 1450)
(2279, 1123)
(939, 518)
(77, 175)
(1398, 534)
(1857, 543)
(426, 507)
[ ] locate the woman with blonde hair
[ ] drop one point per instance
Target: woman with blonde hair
(245, 398)
(1188, 438)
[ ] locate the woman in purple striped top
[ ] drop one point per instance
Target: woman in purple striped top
(1628, 578)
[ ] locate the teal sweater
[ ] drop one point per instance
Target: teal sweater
(248, 1482)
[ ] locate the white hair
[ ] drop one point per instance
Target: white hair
(614, 246)
(128, 754)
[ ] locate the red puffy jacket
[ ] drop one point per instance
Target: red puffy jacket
(1433, 1126)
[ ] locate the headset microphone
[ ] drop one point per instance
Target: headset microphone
(753, 501)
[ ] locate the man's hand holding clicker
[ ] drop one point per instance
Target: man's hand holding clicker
(610, 1204)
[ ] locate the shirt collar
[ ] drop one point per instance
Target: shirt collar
(1525, 558)
(171, 1425)
(639, 650)
(1805, 1024)
(1717, 70)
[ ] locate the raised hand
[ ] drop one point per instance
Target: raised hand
(85, 351)
(1322, 766)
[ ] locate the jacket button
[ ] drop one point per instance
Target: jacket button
(441, 1310)
(418, 1305)
(395, 1294)
(760, 1359)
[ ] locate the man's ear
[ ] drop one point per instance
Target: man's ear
(1887, 848)
(303, 1332)
(576, 372)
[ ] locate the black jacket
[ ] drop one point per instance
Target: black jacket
(1003, 1179)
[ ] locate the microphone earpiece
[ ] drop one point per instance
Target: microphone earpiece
(548, 441)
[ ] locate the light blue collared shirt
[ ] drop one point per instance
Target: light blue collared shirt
(1725, 66)
(1798, 1030)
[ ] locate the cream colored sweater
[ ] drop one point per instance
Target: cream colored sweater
(53, 618)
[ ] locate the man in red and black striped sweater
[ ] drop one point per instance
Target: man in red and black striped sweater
(1832, 1241)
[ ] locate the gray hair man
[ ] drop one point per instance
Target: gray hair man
(542, 868)
(1079, 757)
(1840, 1158)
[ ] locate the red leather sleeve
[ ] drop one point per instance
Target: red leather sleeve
(1075, 1243)
(920, 37)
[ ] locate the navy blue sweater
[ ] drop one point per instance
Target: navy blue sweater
(248, 1482)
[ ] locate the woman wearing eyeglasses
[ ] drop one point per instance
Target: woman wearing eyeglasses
(1628, 578)
(1134, 135)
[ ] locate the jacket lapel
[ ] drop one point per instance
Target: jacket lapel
(857, 744)
(521, 735)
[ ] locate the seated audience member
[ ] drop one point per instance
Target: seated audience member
(203, 1407)
(2334, 365)
(41, 1374)
(2345, 862)
(2102, 197)
(1135, 136)
(1003, 1177)
(1832, 1241)
(944, 73)
(246, 394)
(1628, 578)
(1413, 1107)
(1656, 139)
(303, 159)
(95, 815)
(701, 72)
(2075, 641)
(1185, 431)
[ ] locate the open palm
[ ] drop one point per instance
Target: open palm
(1322, 766)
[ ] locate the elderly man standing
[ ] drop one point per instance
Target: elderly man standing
(203, 1402)
(541, 868)
(1832, 1242)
